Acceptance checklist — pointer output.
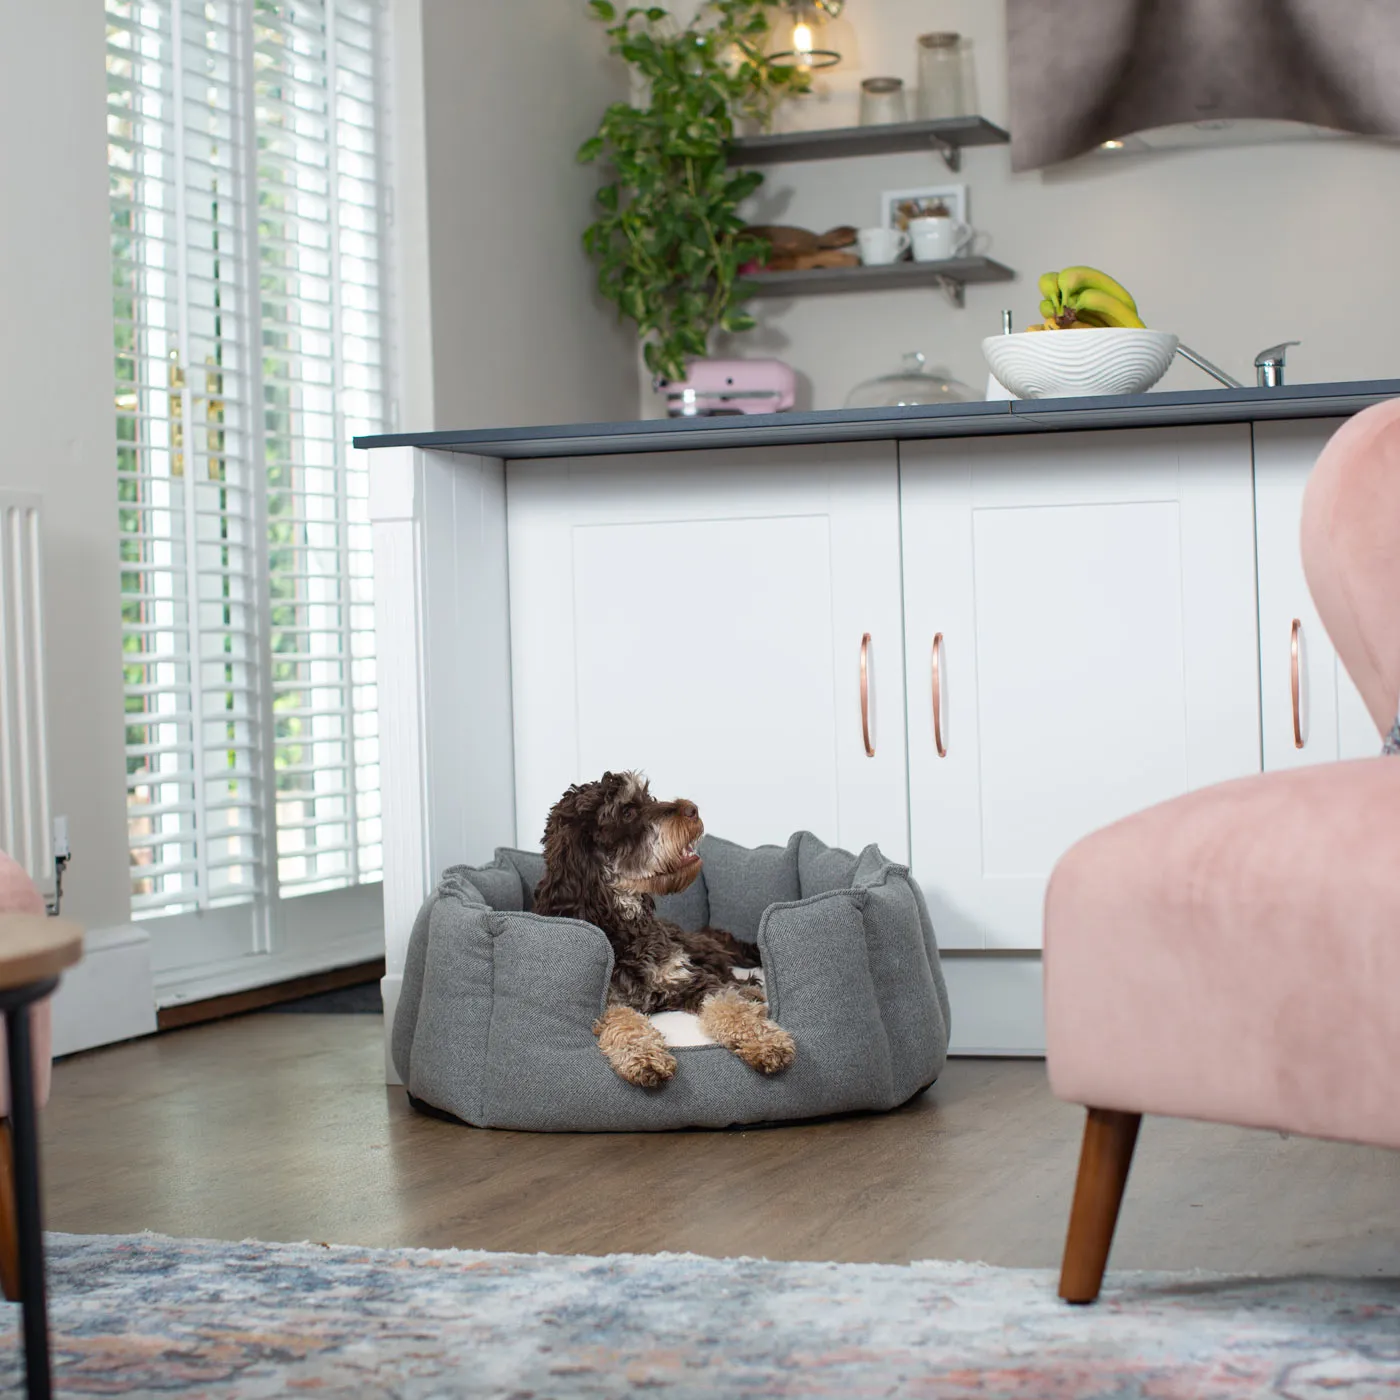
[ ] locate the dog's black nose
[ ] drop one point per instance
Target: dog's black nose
(688, 810)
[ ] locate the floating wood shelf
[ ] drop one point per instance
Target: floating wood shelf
(946, 135)
(952, 276)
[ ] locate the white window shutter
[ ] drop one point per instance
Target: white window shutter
(245, 163)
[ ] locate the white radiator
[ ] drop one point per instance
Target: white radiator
(25, 829)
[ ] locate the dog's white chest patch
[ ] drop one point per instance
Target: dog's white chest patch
(675, 971)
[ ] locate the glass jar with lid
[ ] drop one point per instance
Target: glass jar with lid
(910, 385)
(941, 86)
(882, 101)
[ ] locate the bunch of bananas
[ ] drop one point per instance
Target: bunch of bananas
(1083, 298)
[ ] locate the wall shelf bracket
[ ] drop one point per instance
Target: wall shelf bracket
(955, 291)
(952, 155)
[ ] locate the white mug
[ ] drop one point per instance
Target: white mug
(882, 245)
(937, 238)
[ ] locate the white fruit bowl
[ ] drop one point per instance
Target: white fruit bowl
(1068, 364)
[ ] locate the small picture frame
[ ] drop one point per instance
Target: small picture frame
(897, 207)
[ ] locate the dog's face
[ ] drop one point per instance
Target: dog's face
(633, 842)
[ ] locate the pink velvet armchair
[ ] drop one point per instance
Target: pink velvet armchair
(1234, 955)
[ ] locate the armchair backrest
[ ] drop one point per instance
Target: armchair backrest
(1351, 552)
(18, 894)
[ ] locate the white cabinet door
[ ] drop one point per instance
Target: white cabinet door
(1312, 712)
(702, 616)
(1095, 595)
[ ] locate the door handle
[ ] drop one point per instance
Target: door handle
(1294, 683)
(936, 664)
(865, 695)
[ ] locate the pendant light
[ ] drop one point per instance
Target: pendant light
(799, 34)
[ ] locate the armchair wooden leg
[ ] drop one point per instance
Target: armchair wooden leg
(9, 1233)
(1109, 1138)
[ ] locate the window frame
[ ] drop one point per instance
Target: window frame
(271, 932)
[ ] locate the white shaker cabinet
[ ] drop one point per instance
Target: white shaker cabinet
(728, 621)
(1312, 712)
(1093, 597)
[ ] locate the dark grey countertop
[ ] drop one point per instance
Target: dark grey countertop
(881, 424)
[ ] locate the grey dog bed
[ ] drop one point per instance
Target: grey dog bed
(495, 1016)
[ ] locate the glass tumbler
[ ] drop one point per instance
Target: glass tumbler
(882, 101)
(941, 76)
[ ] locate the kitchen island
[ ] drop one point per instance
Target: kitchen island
(970, 633)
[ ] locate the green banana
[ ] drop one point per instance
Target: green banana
(1084, 298)
(1074, 280)
(1109, 309)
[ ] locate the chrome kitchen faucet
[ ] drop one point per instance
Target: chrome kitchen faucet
(1268, 366)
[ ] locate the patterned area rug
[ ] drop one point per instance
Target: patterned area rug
(145, 1315)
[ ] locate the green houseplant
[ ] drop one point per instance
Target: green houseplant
(668, 239)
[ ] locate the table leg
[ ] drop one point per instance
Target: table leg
(24, 1129)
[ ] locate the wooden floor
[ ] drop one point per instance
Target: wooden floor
(279, 1127)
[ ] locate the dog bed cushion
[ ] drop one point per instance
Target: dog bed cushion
(495, 1015)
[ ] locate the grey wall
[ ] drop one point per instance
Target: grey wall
(519, 332)
(56, 385)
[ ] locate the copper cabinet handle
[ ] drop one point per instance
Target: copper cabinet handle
(1293, 683)
(936, 660)
(865, 695)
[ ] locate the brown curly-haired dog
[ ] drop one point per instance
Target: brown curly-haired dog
(609, 847)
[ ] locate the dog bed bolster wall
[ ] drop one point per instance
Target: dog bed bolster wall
(495, 1017)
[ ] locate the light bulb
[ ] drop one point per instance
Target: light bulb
(805, 48)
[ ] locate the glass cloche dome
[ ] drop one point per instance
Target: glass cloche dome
(910, 384)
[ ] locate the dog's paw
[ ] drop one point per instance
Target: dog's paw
(645, 1065)
(767, 1048)
(634, 1047)
(740, 1025)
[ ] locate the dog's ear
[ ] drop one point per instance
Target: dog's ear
(577, 807)
(572, 883)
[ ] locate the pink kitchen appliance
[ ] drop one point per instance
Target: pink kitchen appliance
(730, 386)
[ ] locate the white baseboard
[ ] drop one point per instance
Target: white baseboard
(113, 993)
(389, 987)
(109, 996)
(174, 988)
(997, 1003)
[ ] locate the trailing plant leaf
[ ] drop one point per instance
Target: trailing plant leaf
(668, 239)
